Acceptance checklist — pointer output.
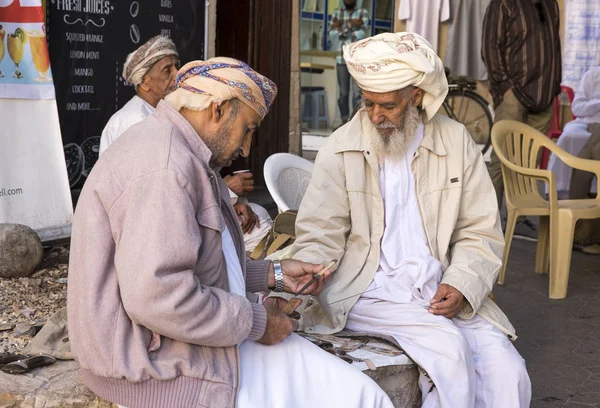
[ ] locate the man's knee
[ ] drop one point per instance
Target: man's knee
(508, 369)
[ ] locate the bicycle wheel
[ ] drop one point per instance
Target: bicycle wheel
(470, 109)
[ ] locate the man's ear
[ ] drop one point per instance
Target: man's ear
(217, 111)
(417, 97)
(144, 85)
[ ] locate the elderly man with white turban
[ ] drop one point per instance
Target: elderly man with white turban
(151, 69)
(162, 301)
(401, 196)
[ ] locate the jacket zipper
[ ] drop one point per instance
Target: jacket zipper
(217, 192)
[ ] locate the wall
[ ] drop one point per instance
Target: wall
(295, 135)
(212, 28)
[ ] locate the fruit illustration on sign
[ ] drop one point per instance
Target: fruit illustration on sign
(16, 46)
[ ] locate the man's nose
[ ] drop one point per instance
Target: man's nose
(377, 116)
(246, 145)
(173, 75)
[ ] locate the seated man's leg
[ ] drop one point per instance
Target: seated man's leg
(502, 379)
(252, 238)
(586, 231)
(433, 342)
(296, 373)
(581, 181)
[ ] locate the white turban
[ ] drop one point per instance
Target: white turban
(139, 62)
(393, 61)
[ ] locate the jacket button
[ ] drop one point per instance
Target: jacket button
(368, 152)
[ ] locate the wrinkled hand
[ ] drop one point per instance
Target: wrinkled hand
(240, 183)
(448, 301)
(356, 22)
(296, 274)
(247, 218)
(275, 302)
(279, 326)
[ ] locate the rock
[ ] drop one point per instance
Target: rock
(55, 386)
(23, 329)
(6, 326)
(20, 251)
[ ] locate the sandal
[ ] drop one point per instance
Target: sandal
(27, 364)
(593, 249)
(6, 358)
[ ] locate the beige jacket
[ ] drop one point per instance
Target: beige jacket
(342, 217)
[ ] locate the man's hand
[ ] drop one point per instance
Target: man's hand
(281, 304)
(247, 218)
(296, 274)
(275, 302)
(279, 326)
(447, 301)
(240, 183)
(335, 23)
(356, 22)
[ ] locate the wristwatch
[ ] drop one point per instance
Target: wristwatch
(278, 272)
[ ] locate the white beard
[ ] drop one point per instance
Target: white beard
(395, 145)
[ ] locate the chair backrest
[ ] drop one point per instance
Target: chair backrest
(555, 121)
(287, 177)
(569, 91)
(517, 146)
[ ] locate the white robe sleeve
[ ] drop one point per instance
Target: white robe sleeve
(108, 136)
(404, 10)
(445, 11)
(233, 197)
(587, 102)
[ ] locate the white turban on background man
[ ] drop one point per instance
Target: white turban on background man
(392, 61)
(139, 62)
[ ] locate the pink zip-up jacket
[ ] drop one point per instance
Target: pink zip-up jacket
(151, 321)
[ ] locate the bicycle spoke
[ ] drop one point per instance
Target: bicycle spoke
(483, 115)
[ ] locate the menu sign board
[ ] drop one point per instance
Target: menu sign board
(89, 41)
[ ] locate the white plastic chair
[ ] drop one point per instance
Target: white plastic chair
(287, 177)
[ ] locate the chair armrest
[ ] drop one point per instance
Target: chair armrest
(592, 166)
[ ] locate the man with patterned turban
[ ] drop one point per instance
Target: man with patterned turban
(401, 196)
(151, 69)
(162, 303)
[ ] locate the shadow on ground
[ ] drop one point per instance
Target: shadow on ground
(559, 339)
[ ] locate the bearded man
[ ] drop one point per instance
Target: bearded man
(402, 197)
(161, 298)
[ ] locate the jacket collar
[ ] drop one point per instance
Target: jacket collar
(353, 136)
(165, 112)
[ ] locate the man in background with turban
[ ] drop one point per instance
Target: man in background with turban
(162, 303)
(152, 69)
(401, 196)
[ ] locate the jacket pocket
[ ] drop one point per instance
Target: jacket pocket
(211, 218)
